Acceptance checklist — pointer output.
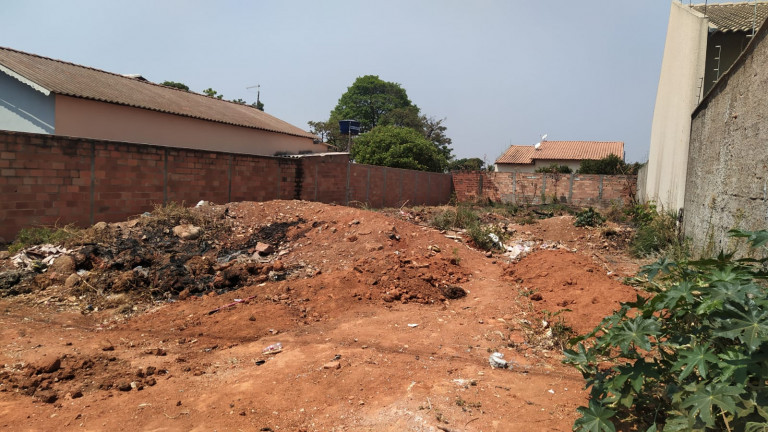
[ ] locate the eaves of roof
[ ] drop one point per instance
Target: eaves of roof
(69, 79)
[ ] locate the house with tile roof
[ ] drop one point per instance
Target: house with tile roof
(570, 153)
(49, 96)
(703, 42)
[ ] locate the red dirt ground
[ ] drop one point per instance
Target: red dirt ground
(369, 340)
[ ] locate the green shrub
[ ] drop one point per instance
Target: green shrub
(480, 235)
(444, 220)
(555, 169)
(589, 217)
(693, 357)
(462, 217)
(655, 235)
(41, 235)
(466, 217)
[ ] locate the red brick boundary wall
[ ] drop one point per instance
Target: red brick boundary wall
(536, 188)
(57, 180)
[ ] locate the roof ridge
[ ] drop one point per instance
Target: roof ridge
(110, 73)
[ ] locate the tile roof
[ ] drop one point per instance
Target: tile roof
(561, 150)
(732, 17)
(69, 79)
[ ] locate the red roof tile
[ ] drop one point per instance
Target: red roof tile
(562, 150)
(84, 82)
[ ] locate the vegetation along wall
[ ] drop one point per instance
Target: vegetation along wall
(727, 180)
(537, 188)
(56, 180)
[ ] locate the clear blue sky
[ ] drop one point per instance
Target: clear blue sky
(501, 71)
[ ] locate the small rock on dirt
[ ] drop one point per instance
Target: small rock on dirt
(187, 231)
(63, 265)
(332, 365)
(107, 346)
(264, 249)
(4, 255)
(454, 292)
(536, 297)
(51, 367)
(71, 281)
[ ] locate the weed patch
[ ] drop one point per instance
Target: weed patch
(691, 358)
(41, 235)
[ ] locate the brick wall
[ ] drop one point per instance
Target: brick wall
(532, 188)
(55, 180)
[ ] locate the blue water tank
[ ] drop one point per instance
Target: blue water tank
(349, 127)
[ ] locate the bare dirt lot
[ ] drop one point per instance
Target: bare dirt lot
(384, 324)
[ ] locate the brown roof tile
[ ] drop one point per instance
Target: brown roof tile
(731, 17)
(561, 150)
(84, 82)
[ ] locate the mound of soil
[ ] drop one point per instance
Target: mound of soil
(383, 325)
(558, 280)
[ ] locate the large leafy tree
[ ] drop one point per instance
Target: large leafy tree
(398, 147)
(374, 102)
(368, 99)
(470, 164)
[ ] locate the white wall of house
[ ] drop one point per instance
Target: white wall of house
(682, 72)
(572, 164)
(24, 109)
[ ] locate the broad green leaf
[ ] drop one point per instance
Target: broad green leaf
(750, 326)
(756, 427)
(595, 418)
(670, 298)
(663, 266)
(755, 238)
(652, 428)
(678, 423)
(695, 358)
(703, 402)
(635, 331)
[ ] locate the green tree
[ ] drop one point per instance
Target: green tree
(329, 133)
(213, 93)
(466, 164)
(609, 165)
(555, 169)
(368, 99)
(259, 105)
(397, 147)
(175, 84)
(434, 131)
(239, 101)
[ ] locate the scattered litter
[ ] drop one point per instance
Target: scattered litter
(551, 391)
(413, 325)
(519, 250)
(273, 349)
(260, 362)
(202, 203)
(497, 361)
(34, 256)
(494, 238)
(236, 301)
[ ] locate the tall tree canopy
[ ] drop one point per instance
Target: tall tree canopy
(374, 103)
(368, 99)
(398, 147)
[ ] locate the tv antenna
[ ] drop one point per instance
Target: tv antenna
(258, 91)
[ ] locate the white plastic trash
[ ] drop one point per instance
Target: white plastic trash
(497, 361)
